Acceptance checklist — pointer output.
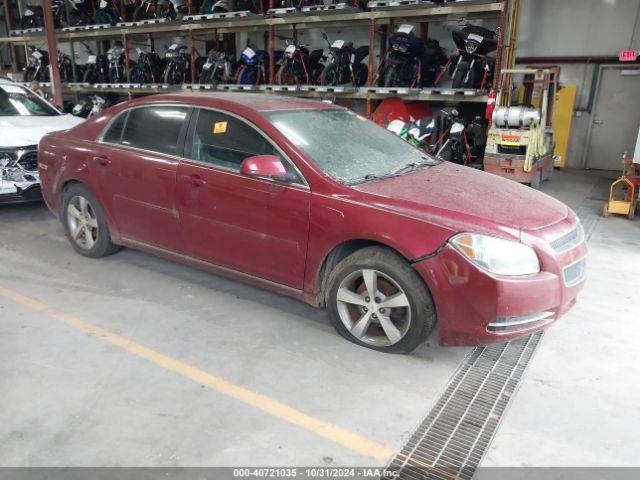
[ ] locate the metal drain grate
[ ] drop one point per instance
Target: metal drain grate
(452, 439)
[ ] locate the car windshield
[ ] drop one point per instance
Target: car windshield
(347, 146)
(16, 100)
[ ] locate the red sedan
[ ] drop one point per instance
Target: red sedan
(314, 201)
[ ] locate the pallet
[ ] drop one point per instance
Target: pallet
(139, 23)
(239, 87)
(198, 86)
(281, 88)
(399, 4)
(328, 89)
(330, 9)
(391, 90)
(240, 15)
(20, 33)
(82, 28)
(285, 12)
(472, 92)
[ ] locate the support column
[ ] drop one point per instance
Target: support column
(52, 47)
(192, 53)
(372, 50)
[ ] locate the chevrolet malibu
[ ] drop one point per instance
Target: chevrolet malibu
(314, 201)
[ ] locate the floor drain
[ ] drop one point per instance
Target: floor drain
(452, 439)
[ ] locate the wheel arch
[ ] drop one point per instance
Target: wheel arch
(339, 253)
(111, 223)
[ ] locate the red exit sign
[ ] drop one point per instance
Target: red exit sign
(629, 55)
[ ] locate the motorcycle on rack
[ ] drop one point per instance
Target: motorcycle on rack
(471, 67)
(160, 9)
(225, 6)
(402, 64)
(108, 13)
(70, 13)
(344, 64)
(218, 68)
(178, 66)
(148, 68)
(465, 142)
(66, 68)
(254, 67)
(96, 69)
(37, 65)
(117, 72)
(298, 66)
(33, 17)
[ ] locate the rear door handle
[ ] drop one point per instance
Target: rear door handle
(196, 180)
(101, 160)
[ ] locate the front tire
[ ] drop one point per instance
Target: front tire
(85, 223)
(376, 300)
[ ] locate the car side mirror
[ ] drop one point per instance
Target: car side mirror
(268, 166)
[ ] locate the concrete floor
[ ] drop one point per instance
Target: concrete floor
(578, 403)
(68, 397)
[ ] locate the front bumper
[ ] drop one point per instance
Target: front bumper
(477, 308)
(30, 194)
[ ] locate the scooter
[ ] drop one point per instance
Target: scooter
(470, 67)
(344, 64)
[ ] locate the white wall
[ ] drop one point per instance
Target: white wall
(578, 27)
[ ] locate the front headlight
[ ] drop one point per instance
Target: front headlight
(502, 257)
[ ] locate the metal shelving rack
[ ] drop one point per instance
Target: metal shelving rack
(465, 9)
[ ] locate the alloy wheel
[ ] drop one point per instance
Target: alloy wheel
(82, 222)
(373, 307)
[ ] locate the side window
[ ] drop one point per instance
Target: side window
(114, 133)
(226, 141)
(155, 128)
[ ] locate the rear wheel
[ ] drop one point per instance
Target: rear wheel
(329, 75)
(85, 223)
(376, 300)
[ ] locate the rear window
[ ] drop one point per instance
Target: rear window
(114, 132)
(155, 128)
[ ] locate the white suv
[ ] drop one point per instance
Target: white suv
(24, 118)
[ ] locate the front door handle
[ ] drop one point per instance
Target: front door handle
(101, 160)
(196, 180)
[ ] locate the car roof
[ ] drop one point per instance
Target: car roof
(261, 102)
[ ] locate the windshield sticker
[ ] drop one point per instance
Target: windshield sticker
(405, 28)
(220, 127)
(338, 44)
(477, 38)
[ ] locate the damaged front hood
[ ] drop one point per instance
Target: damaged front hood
(19, 131)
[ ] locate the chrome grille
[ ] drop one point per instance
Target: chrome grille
(575, 273)
(569, 240)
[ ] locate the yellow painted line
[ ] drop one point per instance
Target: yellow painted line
(268, 405)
